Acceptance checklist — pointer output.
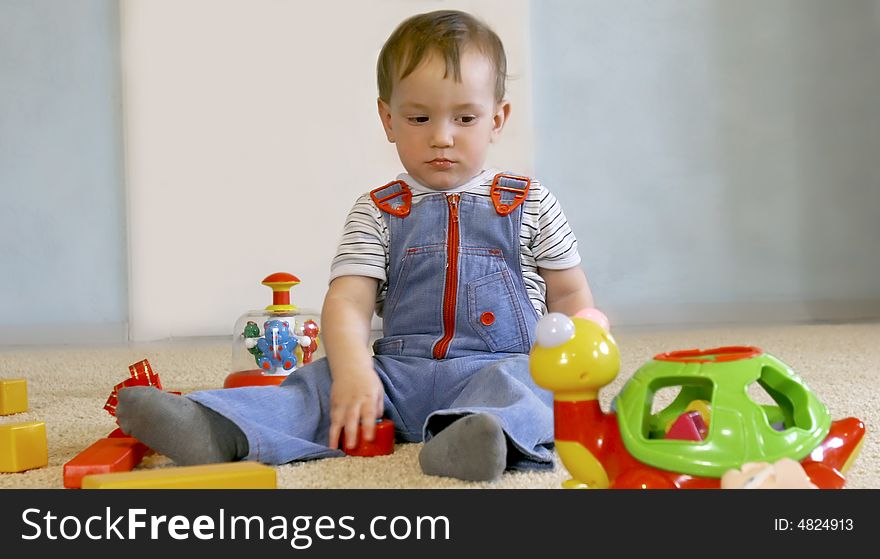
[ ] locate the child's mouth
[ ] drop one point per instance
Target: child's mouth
(441, 163)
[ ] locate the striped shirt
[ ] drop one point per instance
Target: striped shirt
(545, 240)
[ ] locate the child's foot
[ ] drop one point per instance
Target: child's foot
(472, 448)
(183, 430)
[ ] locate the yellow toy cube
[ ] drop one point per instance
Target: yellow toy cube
(229, 475)
(13, 396)
(23, 446)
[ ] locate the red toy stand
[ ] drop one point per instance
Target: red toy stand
(271, 343)
(253, 377)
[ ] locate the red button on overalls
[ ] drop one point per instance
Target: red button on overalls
(487, 318)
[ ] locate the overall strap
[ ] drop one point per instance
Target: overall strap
(508, 192)
(394, 198)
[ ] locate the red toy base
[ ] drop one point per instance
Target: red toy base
(382, 443)
(253, 377)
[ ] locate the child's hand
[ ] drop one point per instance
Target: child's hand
(355, 399)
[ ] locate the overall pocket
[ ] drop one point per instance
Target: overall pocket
(388, 346)
(495, 314)
(414, 269)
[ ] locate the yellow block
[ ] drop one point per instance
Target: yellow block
(23, 446)
(13, 396)
(230, 475)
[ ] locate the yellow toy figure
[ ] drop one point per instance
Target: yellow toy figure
(574, 358)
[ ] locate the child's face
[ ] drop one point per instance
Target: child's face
(443, 128)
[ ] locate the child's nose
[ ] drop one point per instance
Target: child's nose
(441, 136)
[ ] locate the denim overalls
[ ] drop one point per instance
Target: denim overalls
(458, 325)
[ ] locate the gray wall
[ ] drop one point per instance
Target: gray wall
(718, 159)
(62, 210)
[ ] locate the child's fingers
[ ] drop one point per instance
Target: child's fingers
(368, 422)
(341, 416)
(351, 426)
(335, 431)
(380, 404)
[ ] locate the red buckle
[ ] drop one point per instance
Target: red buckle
(509, 183)
(384, 202)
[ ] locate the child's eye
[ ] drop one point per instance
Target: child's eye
(417, 119)
(467, 119)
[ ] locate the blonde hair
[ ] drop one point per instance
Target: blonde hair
(446, 33)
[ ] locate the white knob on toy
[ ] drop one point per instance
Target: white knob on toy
(553, 330)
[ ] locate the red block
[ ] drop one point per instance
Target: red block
(688, 427)
(108, 455)
(382, 443)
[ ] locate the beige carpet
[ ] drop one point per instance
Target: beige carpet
(68, 387)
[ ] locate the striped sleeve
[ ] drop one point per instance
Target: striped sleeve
(363, 248)
(553, 245)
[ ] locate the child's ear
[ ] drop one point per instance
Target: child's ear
(499, 119)
(385, 117)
